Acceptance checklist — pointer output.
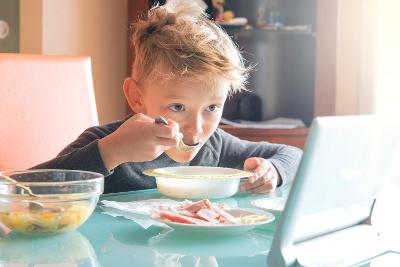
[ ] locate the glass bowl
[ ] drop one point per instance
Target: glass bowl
(65, 199)
(197, 182)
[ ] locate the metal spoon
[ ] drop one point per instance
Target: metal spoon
(33, 205)
(17, 184)
(181, 146)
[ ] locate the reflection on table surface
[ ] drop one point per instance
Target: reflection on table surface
(69, 249)
(107, 241)
(126, 241)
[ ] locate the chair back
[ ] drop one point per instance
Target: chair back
(45, 103)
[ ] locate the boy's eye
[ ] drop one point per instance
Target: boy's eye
(213, 108)
(176, 107)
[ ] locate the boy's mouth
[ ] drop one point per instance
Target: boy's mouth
(186, 147)
(196, 144)
(191, 143)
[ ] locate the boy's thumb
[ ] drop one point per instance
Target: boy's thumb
(251, 163)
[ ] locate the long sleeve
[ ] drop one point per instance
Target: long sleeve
(234, 151)
(82, 154)
(222, 149)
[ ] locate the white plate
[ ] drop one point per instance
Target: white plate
(222, 228)
(275, 204)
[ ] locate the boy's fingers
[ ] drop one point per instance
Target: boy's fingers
(167, 131)
(250, 185)
(266, 187)
(167, 142)
(164, 131)
(260, 171)
(141, 117)
(173, 124)
(251, 163)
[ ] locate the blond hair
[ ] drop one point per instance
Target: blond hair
(177, 40)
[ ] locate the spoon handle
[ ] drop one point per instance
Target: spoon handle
(19, 185)
(181, 146)
(160, 120)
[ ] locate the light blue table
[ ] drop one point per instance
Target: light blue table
(107, 241)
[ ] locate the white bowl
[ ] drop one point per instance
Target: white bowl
(197, 182)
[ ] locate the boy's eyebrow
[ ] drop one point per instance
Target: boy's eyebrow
(181, 97)
(173, 96)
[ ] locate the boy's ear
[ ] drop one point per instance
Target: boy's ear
(133, 95)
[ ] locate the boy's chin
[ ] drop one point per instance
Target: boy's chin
(181, 156)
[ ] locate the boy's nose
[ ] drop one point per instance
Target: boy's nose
(192, 130)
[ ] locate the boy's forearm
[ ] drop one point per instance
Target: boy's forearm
(108, 152)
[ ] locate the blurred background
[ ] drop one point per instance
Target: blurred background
(312, 57)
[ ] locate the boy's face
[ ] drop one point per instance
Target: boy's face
(197, 109)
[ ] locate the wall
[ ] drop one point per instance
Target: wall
(386, 86)
(354, 57)
(387, 67)
(31, 26)
(368, 57)
(96, 28)
(348, 57)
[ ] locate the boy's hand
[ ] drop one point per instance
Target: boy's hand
(265, 178)
(138, 139)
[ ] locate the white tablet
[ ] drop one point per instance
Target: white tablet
(326, 220)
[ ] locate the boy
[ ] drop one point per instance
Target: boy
(184, 68)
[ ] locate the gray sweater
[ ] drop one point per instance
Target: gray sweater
(222, 150)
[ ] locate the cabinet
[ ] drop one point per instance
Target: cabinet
(309, 74)
(280, 42)
(294, 137)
